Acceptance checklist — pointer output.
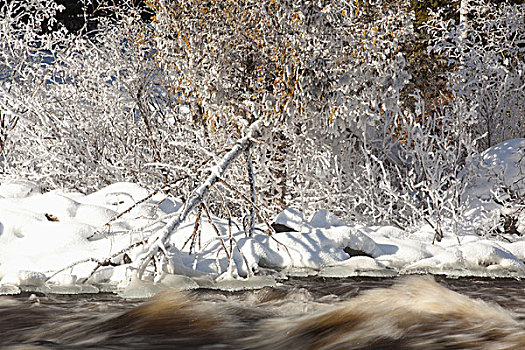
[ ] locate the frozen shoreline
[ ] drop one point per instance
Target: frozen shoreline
(41, 233)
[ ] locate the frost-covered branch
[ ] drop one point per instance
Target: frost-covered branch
(159, 239)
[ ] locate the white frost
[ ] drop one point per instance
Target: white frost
(41, 234)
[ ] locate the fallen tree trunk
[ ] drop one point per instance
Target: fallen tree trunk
(159, 239)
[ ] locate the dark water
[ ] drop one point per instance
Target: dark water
(210, 319)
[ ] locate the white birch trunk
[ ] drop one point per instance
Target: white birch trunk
(464, 9)
(463, 17)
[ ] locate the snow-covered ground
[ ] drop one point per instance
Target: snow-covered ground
(73, 234)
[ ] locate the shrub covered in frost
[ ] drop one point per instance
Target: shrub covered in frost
(159, 101)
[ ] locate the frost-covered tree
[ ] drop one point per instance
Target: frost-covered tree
(484, 96)
(164, 99)
(251, 106)
(24, 59)
(91, 105)
(327, 76)
(486, 59)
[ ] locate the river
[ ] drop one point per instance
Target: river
(263, 319)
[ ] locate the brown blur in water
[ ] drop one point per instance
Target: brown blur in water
(312, 313)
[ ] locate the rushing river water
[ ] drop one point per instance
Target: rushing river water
(302, 313)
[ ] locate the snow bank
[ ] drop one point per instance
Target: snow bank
(74, 234)
(500, 169)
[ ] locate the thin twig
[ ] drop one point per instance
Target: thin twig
(73, 265)
(122, 251)
(251, 179)
(247, 200)
(195, 230)
(437, 231)
(210, 220)
(271, 229)
(134, 205)
(221, 197)
(171, 183)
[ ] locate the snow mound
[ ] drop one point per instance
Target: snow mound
(293, 219)
(324, 219)
(506, 160)
(18, 189)
(500, 166)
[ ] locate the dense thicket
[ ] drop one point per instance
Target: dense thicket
(376, 111)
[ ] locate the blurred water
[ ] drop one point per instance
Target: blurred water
(205, 319)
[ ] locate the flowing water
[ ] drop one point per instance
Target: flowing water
(300, 313)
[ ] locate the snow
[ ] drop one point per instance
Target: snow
(55, 242)
(502, 165)
(506, 161)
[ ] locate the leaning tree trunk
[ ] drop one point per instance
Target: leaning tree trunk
(158, 241)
